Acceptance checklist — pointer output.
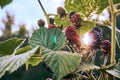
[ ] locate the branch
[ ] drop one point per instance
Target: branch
(118, 11)
(113, 32)
(50, 14)
(45, 13)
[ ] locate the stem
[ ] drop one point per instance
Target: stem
(118, 11)
(113, 32)
(45, 13)
(105, 60)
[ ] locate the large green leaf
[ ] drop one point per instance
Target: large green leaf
(86, 7)
(8, 46)
(49, 38)
(4, 2)
(13, 62)
(61, 62)
(115, 71)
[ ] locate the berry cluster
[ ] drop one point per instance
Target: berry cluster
(98, 42)
(72, 36)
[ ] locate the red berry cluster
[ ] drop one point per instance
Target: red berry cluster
(76, 20)
(72, 36)
(51, 26)
(105, 46)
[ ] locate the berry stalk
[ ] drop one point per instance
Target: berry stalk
(113, 32)
(45, 13)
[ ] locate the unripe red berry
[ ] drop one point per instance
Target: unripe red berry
(72, 36)
(76, 20)
(106, 46)
(51, 26)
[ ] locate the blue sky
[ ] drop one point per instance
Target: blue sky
(29, 11)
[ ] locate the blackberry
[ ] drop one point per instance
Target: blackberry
(72, 36)
(71, 13)
(76, 20)
(51, 20)
(97, 28)
(51, 26)
(97, 38)
(105, 46)
(41, 23)
(61, 11)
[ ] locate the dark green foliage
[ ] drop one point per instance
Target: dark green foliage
(3, 3)
(7, 47)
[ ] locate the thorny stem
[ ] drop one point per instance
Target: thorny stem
(45, 13)
(113, 32)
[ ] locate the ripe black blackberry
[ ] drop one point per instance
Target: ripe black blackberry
(51, 20)
(41, 23)
(97, 28)
(76, 20)
(105, 46)
(97, 37)
(61, 11)
(71, 13)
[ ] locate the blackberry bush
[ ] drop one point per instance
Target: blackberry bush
(58, 56)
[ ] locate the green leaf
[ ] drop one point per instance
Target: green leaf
(104, 3)
(86, 27)
(115, 71)
(62, 21)
(13, 62)
(61, 62)
(23, 49)
(3, 3)
(36, 58)
(7, 47)
(86, 7)
(49, 38)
